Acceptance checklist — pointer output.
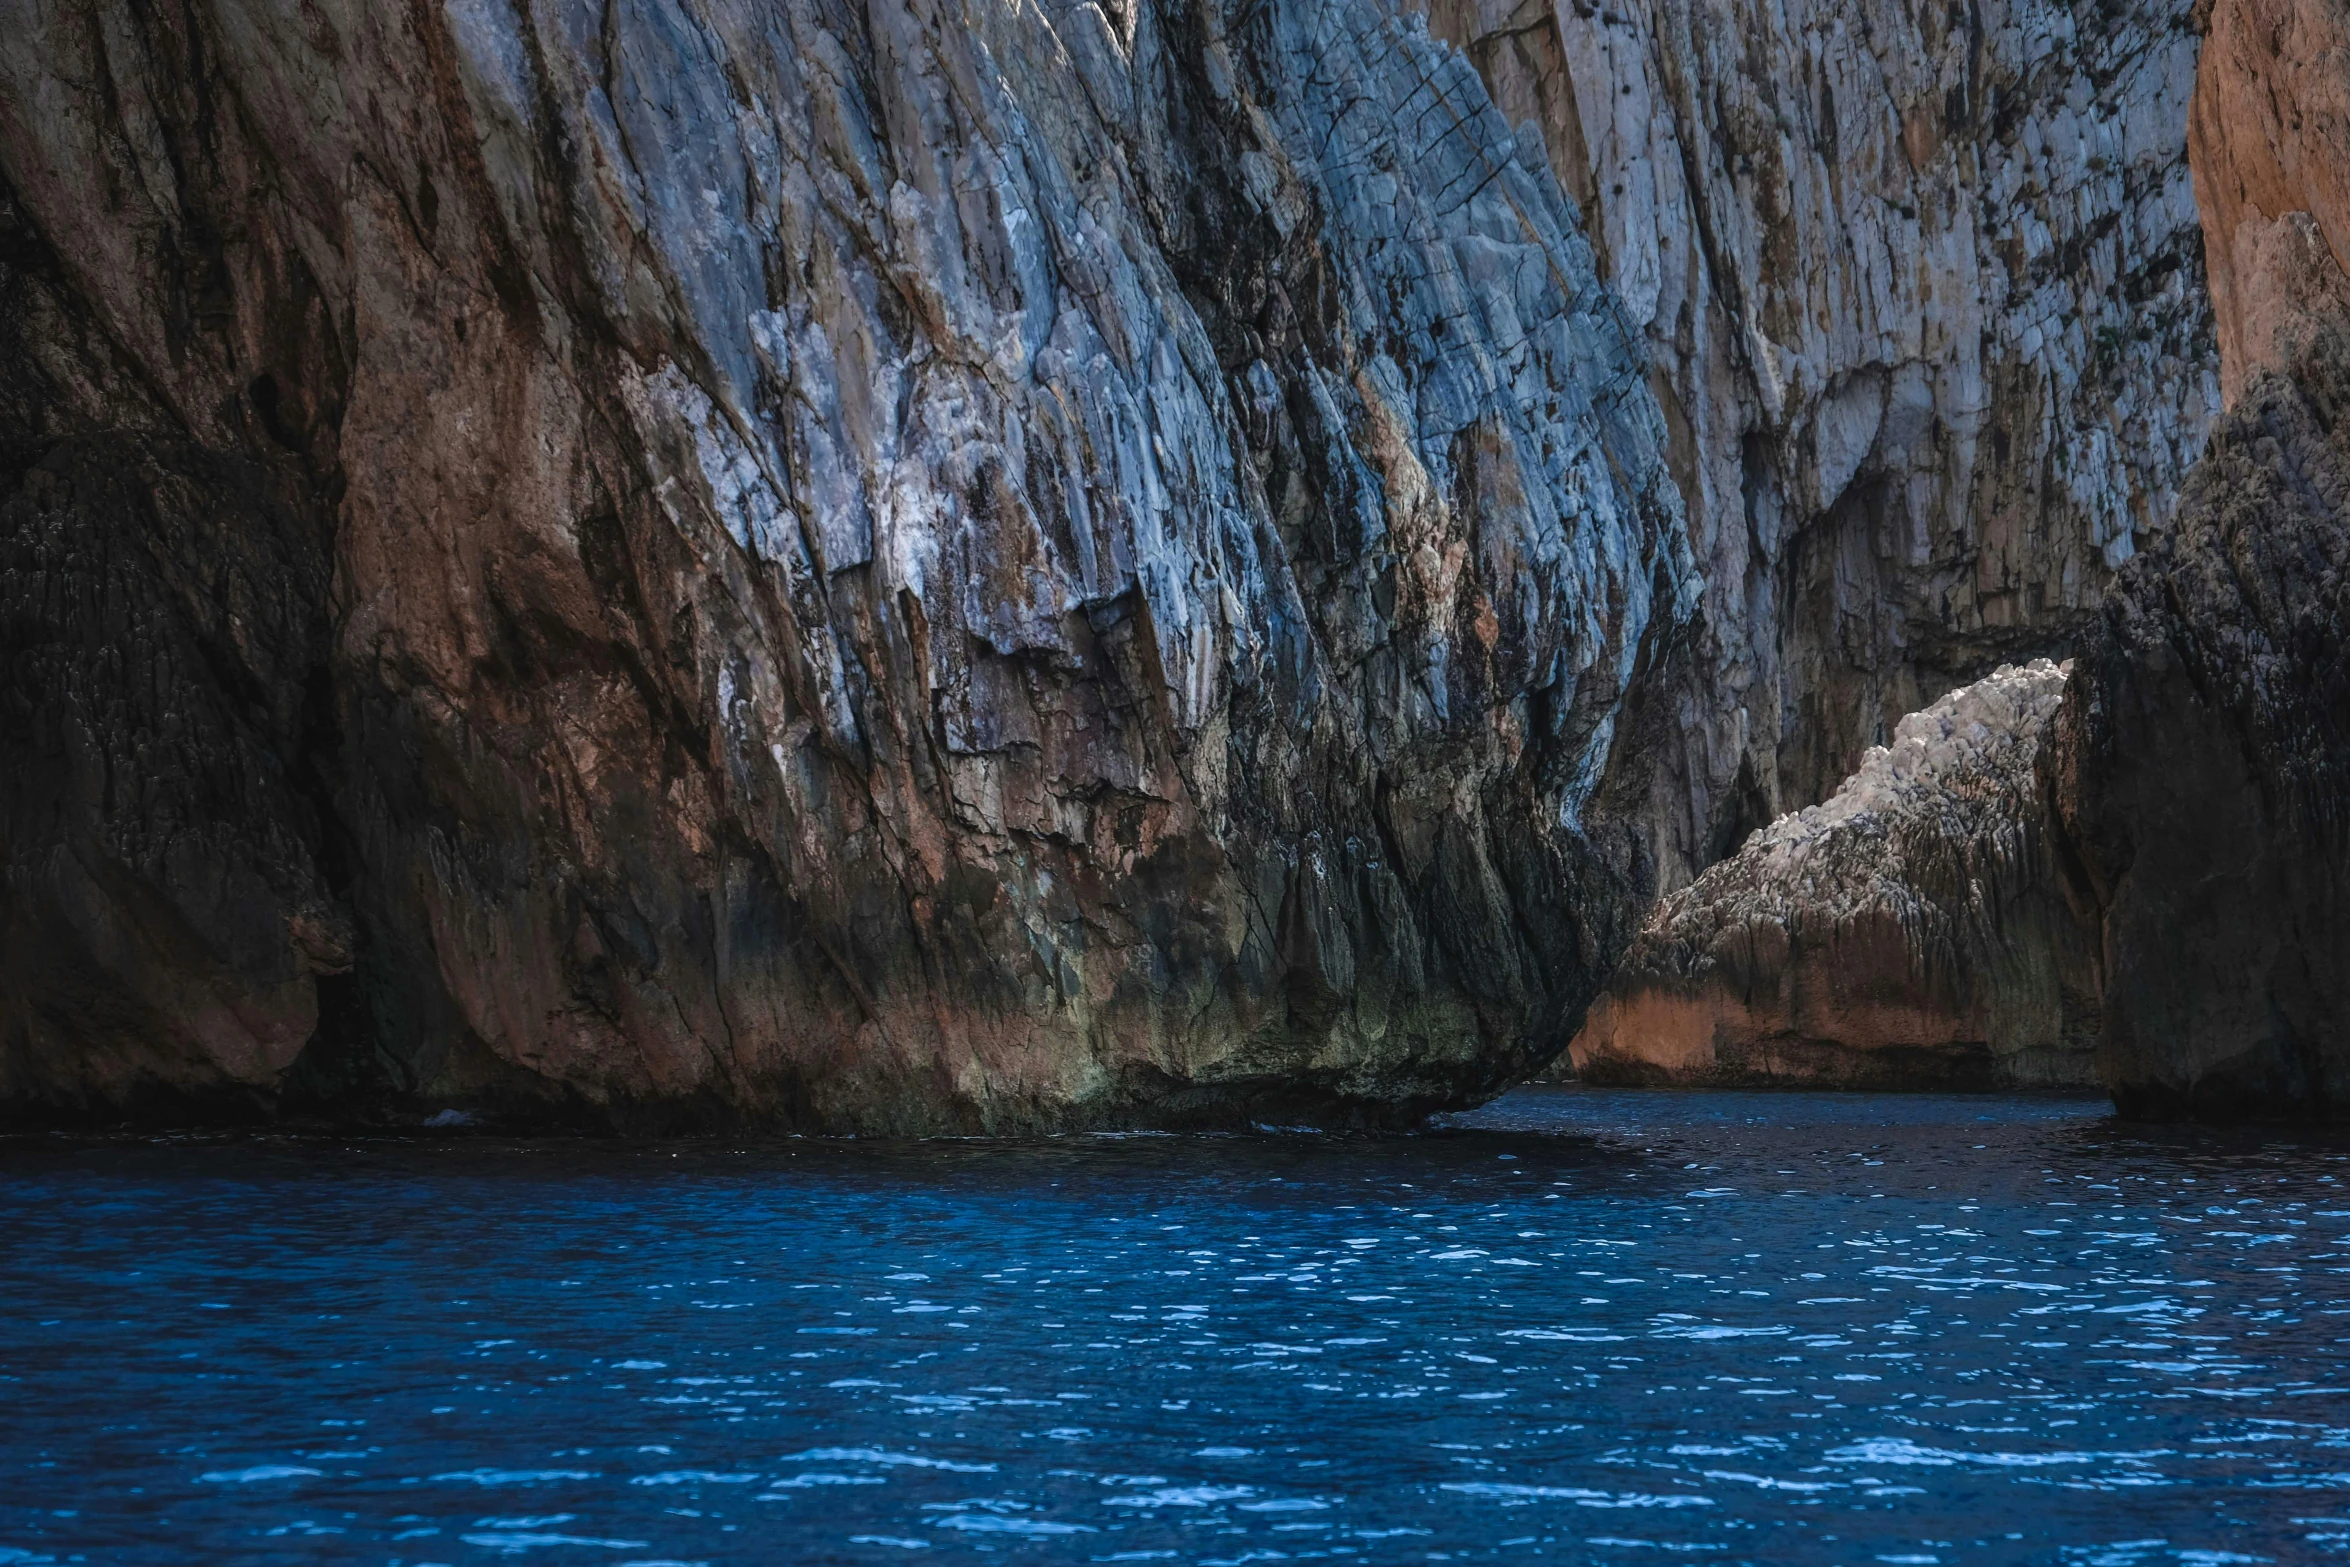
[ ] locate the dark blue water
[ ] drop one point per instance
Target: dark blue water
(1582, 1326)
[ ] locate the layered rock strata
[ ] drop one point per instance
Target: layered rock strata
(918, 566)
(1914, 931)
(2203, 754)
(1922, 290)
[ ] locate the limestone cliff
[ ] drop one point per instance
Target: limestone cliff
(2204, 747)
(914, 565)
(1922, 288)
(1912, 932)
(939, 565)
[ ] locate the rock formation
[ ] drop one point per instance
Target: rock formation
(2203, 752)
(915, 566)
(928, 566)
(1922, 290)
(2269, 143)
(1912, 932)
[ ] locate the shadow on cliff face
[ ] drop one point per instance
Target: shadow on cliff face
(2202, 757)
(165, 895)
(2204, 770)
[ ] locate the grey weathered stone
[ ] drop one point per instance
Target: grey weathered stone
(918, 565)
(1923, 292)
(931, 565)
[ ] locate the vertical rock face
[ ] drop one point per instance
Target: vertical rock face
(2204, 747)
(1914, 931)
(1923, 293)
(2270, 146)
(920, 565)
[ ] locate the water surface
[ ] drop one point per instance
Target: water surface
(1584, 1326)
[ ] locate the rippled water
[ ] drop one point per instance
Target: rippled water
(1581, 1325)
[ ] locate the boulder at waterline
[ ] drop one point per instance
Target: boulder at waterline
(1914, 931)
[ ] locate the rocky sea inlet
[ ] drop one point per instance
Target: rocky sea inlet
(1194, 781)
(1580, 1325)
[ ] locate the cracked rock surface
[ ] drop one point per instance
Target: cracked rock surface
(908, 566)
(1922, 289)
(2270, 147)
(917, 565)
(1913, 931)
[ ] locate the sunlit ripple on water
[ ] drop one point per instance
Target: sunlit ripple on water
(1580, 1326)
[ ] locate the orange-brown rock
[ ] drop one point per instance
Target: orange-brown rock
(2269, 143)
(1911, 932)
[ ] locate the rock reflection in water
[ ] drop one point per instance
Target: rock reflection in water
(1580, 1325)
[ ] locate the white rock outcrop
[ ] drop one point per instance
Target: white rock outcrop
(1913, 930)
